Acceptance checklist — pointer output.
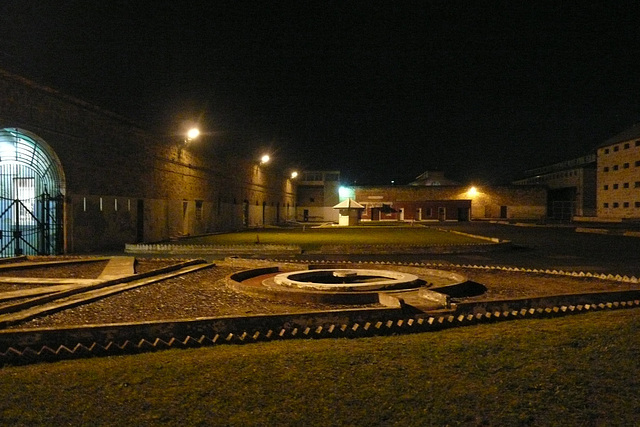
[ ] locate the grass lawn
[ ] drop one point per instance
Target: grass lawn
(313, 238)
(576, 370)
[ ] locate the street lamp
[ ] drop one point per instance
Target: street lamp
(294, 175)
(191, 134)
(265, 159)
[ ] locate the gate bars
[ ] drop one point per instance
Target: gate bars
(31, 228)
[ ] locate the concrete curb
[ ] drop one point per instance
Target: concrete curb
(32, 346)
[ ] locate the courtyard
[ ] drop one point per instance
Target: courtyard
(535, 370)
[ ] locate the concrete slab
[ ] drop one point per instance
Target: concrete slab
(118, 267)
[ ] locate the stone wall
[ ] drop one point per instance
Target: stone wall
(125, 183)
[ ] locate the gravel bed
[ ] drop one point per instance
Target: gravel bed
(84, 270)
(205, 294)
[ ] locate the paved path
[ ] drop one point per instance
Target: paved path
(118, 267)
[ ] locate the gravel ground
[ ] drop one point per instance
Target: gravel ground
(205, 294)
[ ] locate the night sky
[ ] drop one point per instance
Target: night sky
(378, 90)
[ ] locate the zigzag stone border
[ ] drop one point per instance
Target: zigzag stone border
(37, 345)
(32, 346)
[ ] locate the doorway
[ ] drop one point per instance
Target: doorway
(31, 196)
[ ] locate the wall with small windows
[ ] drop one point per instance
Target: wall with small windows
(618, 176)
(126, 184)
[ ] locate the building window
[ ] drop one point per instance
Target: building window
(616, 148)
(615, 167)
(199, 204)
(626, 146)
(616, 204)
(625, 204)
(615, 186)
(606, 205)
(606, 151)
(606, 168)
(638, 143)
(625, 185)
(626, 166)
(636, 184)
(637, 204)
(637, 162)
(606, 187)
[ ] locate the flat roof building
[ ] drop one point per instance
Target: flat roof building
(618, 174)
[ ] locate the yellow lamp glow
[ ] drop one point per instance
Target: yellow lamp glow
(193, 133)
(473, 191)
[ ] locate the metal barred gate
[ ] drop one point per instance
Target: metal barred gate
(31, 196)
(31, 227)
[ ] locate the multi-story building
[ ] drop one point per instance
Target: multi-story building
(317, 193)
(619, 176)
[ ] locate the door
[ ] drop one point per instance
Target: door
(442, 213)
(31, 196)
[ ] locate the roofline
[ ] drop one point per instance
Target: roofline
(628, 134)
(4, 74)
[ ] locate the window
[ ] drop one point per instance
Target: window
(615, 186)
(616, 148)
(606, 168)
(625, 185)
(637, 184)
(615, 167)
(606, 151)
(626, 146)
(606, 205)
(606, 187)
(311, 199)
(626, 166)
(637, 162)
(199, 204)
(637, 143)
(625, 204)
(616, 204)
(637, 204)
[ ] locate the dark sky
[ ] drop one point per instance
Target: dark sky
(379, 90)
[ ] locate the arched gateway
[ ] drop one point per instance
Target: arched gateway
(32, 186)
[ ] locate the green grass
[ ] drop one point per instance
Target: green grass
(313, 238)
(577, 370)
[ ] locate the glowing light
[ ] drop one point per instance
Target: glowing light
(265, 159)
(294, 175)
(346, 193)
(193, 134)
(473, 191)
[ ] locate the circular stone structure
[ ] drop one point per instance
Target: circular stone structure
(339, 285)
(347, 280)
